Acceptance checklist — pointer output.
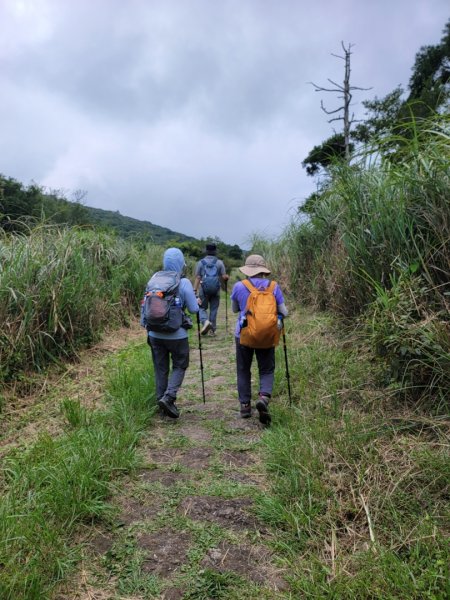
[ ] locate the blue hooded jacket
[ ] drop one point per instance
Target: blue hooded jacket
(174, 261)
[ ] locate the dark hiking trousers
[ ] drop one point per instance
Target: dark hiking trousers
(266, 367)
(162, 352)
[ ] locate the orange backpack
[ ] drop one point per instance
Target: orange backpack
(261, 330)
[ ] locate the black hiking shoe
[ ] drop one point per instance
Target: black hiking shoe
(160, 411)
(262, 406)
(246, 410)
(167, 404)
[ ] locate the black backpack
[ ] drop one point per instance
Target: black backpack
(210, 279)
(162, 310)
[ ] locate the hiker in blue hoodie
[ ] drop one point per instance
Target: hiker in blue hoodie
(166, 345)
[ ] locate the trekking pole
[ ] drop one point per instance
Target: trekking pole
(226, 306)
(201, 357)
(287, 366)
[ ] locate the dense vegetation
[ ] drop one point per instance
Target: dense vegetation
(60, 288)
(376, 250)
(67, 271)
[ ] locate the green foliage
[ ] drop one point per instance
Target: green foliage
(58, 209)
(60, 288)
(431, 72)
(22, 207)
(323, 156)
(230, 254)
(58, 483)
(375, 219)
(17, 202)
(128, 227)
(374, 223)
(212, 584)
(382, 115)
(412, 338)
(429, 89)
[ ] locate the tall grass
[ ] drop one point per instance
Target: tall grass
(377, 247)
(60, 288)
(57, 484)
(376, 218)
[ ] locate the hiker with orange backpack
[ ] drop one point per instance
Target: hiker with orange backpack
(261, 308)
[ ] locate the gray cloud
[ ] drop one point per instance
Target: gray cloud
(190, 113)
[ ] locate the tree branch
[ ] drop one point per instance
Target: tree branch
(330, 112)
(354, 87)
(338, 85)
(321, 89)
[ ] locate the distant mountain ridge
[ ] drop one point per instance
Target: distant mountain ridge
(18, 202)
(23, 206)
(128, 226)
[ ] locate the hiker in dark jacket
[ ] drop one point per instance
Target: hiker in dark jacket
(256, 270)
(210, 277)
(173, 345)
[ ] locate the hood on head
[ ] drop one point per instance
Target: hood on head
(173, 260)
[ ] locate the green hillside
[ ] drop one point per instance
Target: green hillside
(127, 226)
(19, 203)
(22, 207)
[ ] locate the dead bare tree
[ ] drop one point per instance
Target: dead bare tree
(346, 90)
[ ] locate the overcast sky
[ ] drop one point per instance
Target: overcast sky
(192, 114)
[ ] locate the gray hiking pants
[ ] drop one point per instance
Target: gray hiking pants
(266, 367)
(213, 303)
(162, 351)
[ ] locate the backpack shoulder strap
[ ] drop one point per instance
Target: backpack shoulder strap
(271, 287)
(209, 262)
(248, 285)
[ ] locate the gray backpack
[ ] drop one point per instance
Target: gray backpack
(162, 310)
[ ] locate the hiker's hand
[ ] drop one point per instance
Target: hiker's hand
(199, 301)
(225, 277)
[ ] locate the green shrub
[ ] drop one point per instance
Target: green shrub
(412, 336)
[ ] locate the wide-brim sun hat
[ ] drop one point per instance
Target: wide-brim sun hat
(254, 264)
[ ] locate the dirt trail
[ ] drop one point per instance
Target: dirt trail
(187, 518)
